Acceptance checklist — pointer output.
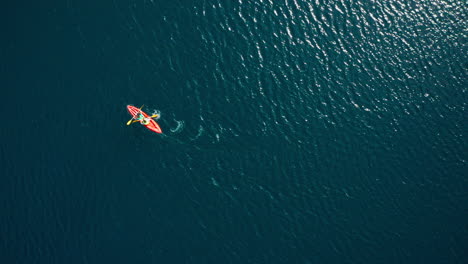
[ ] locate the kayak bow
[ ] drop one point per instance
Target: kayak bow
(132, 120)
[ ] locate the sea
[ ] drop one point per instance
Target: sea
(294, 131)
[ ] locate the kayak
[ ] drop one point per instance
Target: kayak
(152, 125)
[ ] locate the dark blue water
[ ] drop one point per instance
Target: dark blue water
(294, 132)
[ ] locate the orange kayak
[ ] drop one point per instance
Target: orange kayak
(152, 125)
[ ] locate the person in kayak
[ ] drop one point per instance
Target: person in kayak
(143, 120)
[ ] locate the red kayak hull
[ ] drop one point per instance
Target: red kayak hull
(153, 126)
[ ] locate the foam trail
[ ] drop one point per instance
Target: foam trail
(200, 132)
(179, 127)
(156, 112)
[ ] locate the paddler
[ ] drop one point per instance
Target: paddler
(144, 121)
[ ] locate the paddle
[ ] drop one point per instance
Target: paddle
(131, 120)
(134, 121)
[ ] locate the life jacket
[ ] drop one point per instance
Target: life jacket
(145, 121)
